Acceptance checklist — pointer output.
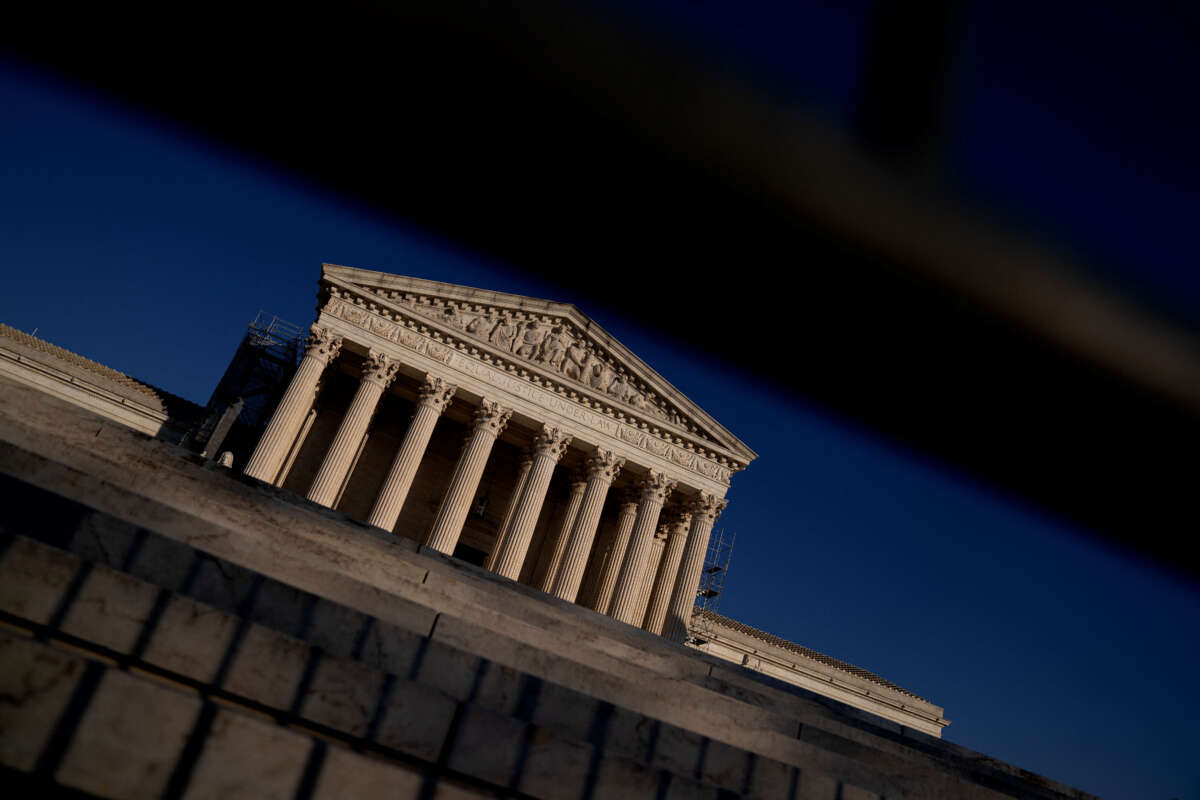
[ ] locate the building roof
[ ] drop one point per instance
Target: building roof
(809, 653)
(115, 381)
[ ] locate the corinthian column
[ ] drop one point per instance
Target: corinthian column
(616, 554)
(514, 498)
(320, 349)
(664, 581)
(578, 486)
(377, 372)
(653, 558)
(655, 490)
(602, 469)
(490, 420)
(548, 448)
(432, 399)
(705, 510)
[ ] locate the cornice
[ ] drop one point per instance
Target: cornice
(24, 362)
(884, 698)
(794, 656)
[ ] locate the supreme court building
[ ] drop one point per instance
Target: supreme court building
(511, 432)
(460, 560)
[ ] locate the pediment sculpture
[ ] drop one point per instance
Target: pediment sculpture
(553, 343)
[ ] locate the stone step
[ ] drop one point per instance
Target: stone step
(108, 732)
(539, 737)
(170, 563)
(677, 699)
(68, 467)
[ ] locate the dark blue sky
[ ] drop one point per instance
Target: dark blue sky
(149, 251)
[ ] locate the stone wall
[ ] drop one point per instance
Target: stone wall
(172, 629)
(68, 376)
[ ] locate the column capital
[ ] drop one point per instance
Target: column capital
(656, 487)
(527, 456)
(629, 498)
(436, 393)
(491, 416)
(707, 506)
(551, 442)
(681, 521)
(579, 479)
(379, 369)
(604, 464)
(663, 530)
(322, 343)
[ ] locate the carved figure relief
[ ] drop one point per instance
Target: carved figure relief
(481, 326)
(575, 360)
(409, 339)
(504, 334)
(554, 347)
(620, 388)
(381, 327)
(599, 375)
(531, 340)
(452, 318)
(547, 342)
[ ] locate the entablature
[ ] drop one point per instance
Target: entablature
(548, 343)
(439, 328)
(429, 351)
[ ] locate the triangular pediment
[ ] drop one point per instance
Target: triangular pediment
(550, 341)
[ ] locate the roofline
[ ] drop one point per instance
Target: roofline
(808, 653)
(95, 367)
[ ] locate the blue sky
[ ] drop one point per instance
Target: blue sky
(144, 249)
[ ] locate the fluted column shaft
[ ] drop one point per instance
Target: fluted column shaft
(377, 372)
(653, 559)
(705, 510)
(668, 568)
(655, 490)
(321, 348)
(490, 420)
(616, 556)
(559, 546)
(602, 470)
(589, 587)
(513, 500)
(432, 399)
(548, 448)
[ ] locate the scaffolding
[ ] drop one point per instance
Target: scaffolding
(256, 378)
(712, 578)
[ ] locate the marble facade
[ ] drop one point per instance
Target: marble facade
(611, 478)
